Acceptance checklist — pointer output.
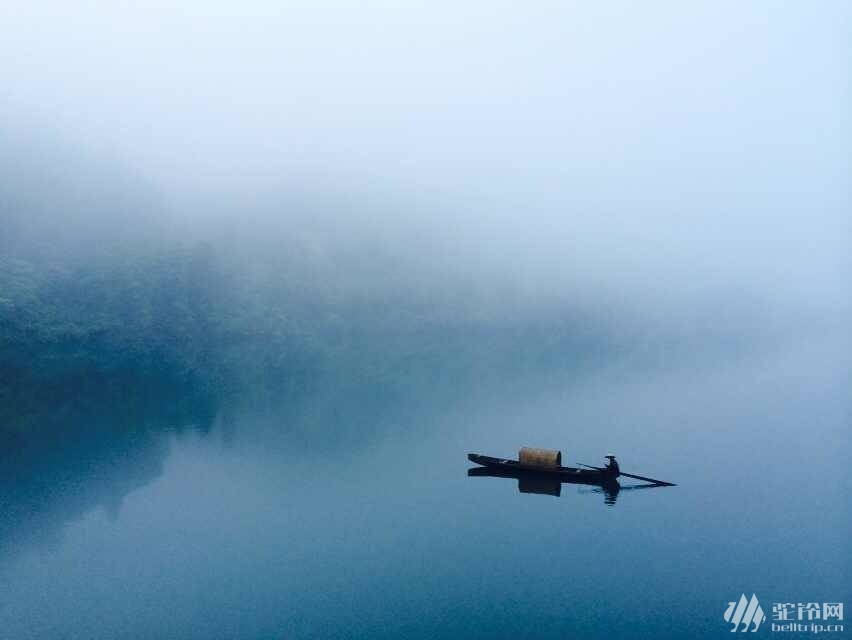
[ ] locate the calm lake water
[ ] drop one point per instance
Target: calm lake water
(342, 512)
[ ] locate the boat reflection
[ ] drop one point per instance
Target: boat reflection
(547, 484)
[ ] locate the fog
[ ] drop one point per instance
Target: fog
(268, 271)
(652, 158)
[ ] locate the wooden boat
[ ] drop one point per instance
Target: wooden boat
(564, 474)
(548, 462)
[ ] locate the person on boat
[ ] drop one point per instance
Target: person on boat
(612, 466)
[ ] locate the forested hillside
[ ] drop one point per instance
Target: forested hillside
(103, 293)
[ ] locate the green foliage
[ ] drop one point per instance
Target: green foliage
(142, 311)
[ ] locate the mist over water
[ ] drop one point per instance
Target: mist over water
(268, 272)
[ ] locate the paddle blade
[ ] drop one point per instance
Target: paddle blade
(662, 483)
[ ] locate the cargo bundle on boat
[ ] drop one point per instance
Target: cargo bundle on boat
(540, 458)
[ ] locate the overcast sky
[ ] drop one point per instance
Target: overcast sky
(703, 141)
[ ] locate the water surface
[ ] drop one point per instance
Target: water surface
(343, 511)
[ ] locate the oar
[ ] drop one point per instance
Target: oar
(662, 483)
